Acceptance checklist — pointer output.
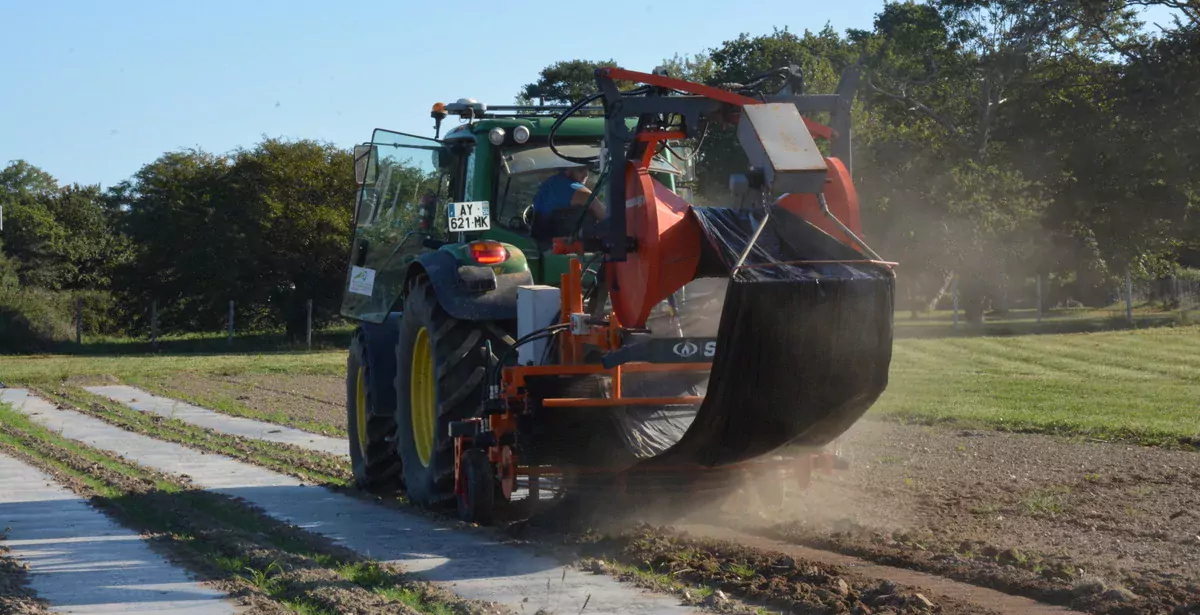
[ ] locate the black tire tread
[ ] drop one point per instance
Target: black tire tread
(460, 369)
(479, 503)
(378, 468)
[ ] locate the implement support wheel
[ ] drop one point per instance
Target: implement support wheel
(477, 501)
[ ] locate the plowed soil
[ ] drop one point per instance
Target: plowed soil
(315, 403)
(1096, 526)
(1108, 528)
(763, 577)
(15, 595)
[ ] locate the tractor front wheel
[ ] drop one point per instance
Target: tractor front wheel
(373, 456)
(441, 364)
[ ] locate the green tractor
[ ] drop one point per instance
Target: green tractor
(442, 241)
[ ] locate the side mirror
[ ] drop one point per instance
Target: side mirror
(366, 163)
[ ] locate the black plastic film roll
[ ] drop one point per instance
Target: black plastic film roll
(803, 349)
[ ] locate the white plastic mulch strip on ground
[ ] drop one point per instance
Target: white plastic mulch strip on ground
(472, 564)
(81, 562)
(169, 408)
(143, 401)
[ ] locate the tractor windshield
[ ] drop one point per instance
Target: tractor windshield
(523, 169)
(399, 208)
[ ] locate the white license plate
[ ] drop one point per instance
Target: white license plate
(469, 216)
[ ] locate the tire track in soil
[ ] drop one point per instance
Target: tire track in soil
(868, 574)
(475, 564)
(997, 600)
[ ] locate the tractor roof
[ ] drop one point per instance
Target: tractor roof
(538, 126)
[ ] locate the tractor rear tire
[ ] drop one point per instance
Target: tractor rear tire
(441, 366)
(373, 456)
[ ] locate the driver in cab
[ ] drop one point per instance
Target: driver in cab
(556, 206)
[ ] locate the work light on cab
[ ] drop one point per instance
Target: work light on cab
(521, 134)
(496, 136)
(488, 252)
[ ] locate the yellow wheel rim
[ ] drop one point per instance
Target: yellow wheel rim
(422, 397)
(360, 409)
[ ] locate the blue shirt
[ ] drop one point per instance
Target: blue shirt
(555, 193)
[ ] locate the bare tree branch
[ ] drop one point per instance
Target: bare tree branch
(904, 97)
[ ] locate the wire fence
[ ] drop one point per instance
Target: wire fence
(1131, 301)
(1035, 305)
(151, 331)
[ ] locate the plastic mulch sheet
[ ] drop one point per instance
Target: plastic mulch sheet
(803, 350)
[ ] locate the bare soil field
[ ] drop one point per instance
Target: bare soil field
(313, 402)
(1100, 526)
(1062, 468)
(1107, 527)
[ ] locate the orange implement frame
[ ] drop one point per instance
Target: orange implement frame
(502, 423)
(725, 96)
(668, 242)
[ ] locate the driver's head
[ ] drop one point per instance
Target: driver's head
(579, 173)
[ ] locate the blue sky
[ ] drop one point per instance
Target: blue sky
(92, 90)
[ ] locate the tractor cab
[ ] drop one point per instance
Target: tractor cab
(476, 183)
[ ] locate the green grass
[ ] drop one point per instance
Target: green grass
(1047, 501)
(940, 323)
(1137, 385)
(57, 367)
(1133, 385)
(332, 337)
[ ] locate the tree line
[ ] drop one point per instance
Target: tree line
(266, 227)
(998, 140)
(995, 141)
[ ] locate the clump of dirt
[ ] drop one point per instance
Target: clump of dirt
(756, 576)
(1026, 514)
(15, 595)
(88, 380)
(305, 401)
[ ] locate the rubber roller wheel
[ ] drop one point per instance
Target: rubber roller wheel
(441, 365)
(373, 456)
(477, 502)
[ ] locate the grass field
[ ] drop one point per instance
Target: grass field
(1025, 321)
(1140, 385)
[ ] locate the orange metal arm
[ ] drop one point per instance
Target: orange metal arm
(707, 91)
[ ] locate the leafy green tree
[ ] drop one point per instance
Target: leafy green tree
(300, 196)
(62, 237)
(8, 271)
(266, 227)
(564, 82)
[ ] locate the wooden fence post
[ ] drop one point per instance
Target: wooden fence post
(1039, 298)
(309, 325)
(1128, 297)
(154, 324)
(956, 301)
